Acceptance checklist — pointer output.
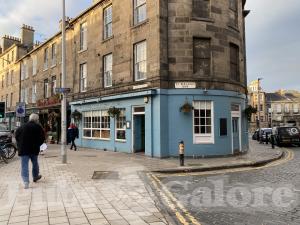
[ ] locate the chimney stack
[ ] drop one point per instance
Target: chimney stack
(27, 36)
(7, 41)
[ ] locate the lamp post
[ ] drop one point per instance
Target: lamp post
(63, 83)
(258, 107)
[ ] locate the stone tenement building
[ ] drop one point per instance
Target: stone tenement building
(283, 108)
(255, 91)
(147, 74)
(11, 49)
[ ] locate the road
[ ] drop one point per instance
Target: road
(260, 196)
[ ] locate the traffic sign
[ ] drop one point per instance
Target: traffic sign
(21, 109)
(62, 90)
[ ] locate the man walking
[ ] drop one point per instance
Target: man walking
(30, 137)
(72, 135)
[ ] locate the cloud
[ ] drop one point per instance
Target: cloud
(43, 15)
(273, 43)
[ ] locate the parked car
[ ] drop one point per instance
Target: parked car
(264, 133)
(5, 134)
(287, 135)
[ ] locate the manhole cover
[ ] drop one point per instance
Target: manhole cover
(112, 175)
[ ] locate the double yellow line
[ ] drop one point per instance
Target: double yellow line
(181, 213)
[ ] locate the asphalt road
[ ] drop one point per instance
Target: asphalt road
(264, 196)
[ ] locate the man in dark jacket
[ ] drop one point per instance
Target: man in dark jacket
(72, 135)
(30, 137)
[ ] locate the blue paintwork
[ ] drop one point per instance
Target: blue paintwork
(165, 125)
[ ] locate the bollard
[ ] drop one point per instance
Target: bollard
(181, 153)
(272, 141)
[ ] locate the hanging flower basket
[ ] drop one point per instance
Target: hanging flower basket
(249, 111)
(76, 115)
(114, 112)
(186, 107)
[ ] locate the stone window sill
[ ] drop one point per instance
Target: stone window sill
(107, 39)
(210, 20)
(140, 24)
(82, 50)
(233, 27)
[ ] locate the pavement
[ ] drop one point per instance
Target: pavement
(118, 194)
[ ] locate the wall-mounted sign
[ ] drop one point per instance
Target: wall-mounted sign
(139, 86)
(185, 85)
(21, 109)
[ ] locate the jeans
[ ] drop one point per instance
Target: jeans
(25, 168)
(73, 144)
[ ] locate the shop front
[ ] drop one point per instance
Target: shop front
(154, 122)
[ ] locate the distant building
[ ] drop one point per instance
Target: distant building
(257, 99)
(284, 107)
(11, 50)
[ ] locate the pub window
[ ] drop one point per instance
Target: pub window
(203, 122)
(234, 62)
(121, 126)
(202, 56)
(96, 125)
(201, 8)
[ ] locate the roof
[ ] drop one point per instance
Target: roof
(71, 22)
(276, 97)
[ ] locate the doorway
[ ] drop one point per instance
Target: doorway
(138, 129)
(236, 134)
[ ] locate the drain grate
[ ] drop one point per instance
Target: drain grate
(110, 175)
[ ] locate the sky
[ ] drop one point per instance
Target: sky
(272, 34)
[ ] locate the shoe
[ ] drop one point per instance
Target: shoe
(37, 178)
(26, 185)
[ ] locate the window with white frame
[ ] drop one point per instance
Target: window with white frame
(83, 77)
(140, 11)
(107, 20)
(34, 65)
(140, 61)
(46, 58)
(46, 88)
(287, 108)
(33, 97)
(96, 125)
(121, 126)
(53, 54)
(53, 85)
(296, 108)
(107, 64)
(23, 70)
(278, 108)
(203, 122)
(83, 36)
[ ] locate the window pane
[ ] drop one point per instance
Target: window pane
(197, 129)
(105, 134)
(87, 133)
(202, 129)
(96, 134)
(202, 113)
(196, 113)
(121, 134)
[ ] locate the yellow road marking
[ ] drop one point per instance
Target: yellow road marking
(169, 197)
(172, 202)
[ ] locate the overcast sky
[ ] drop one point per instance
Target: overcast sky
(273, 33)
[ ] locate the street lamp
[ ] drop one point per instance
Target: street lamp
(258, 107)
(63, 83)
